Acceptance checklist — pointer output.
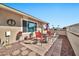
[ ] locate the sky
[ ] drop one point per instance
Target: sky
(62, 14)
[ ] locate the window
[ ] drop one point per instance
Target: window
(11, 22)
(29, 26)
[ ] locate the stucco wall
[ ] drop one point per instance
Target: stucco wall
(61, 32)
(4, 27)
(72, 33)
(4, 16)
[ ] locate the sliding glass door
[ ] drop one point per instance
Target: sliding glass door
(25, 26)
(29, 26)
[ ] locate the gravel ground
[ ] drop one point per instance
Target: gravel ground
(66, 49)
(62, 46)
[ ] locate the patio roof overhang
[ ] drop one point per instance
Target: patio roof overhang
(21, 13)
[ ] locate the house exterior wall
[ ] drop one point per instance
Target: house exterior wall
(4, 27)
(73, 36)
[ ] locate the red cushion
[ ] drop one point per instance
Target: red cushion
(39, 36)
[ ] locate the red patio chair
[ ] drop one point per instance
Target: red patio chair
(39, 36)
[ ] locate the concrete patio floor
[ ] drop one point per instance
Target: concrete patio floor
(41, 49)
(17, 49)
(57, 47)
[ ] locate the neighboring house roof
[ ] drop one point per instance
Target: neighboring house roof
(20, 12)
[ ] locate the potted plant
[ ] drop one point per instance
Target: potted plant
(19, 34)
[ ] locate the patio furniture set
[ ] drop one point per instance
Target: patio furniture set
(39, 37)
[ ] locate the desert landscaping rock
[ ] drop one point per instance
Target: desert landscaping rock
(32, 54)
(16, 52)
(25, 52)
(23, 48)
